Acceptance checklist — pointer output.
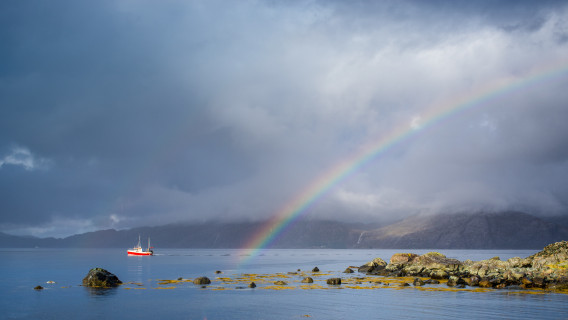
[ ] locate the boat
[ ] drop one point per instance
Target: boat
(138, 251)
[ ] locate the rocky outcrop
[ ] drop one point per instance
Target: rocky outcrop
(545, 269)
(98, 277)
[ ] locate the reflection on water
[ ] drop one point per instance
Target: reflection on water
(101, 291)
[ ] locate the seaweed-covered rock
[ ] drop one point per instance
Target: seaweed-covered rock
(316, 269)
(373, 267)
(307, 280)
(334, 281)
(348, 270)
(280, 283)
(202, 280)
(99, 277)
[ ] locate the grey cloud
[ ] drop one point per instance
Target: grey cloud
(149, 113)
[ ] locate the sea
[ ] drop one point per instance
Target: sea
(146, 294)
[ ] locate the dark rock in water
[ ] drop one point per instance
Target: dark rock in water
(307, 280)
(432, 281)
(348, 271)
(539, 282)
(280, 283)
(334, 281)
(38, 288)
(252, 285)
(461, 285)
(202, 280)
(218, 272)
(454, 281)
(472, 281)
(418, 282)
(98, 277)
(404, 284)
(316, 269)
(240, 288)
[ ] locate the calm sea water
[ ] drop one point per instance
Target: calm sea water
(21, 270)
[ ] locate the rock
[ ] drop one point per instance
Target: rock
(472, 281)
(418, 282)
(218, 272)
(252, 285)
(432, 281)
(402, 258)
(316, 269)
(201, 280)
(539, 282)
(376, 265)
(348, 271)
(485, 283)
(307, 280)
(404, 284)
(554, 257)
(38, 288)
(439, 274)
(454, 281)
(280, 283)
(98, 277)
(334, 281)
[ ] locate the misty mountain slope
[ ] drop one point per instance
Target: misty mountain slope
(467, 231)
(507, 230)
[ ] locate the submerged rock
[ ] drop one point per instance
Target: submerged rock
(280, 283)
(201, 280)
(38, 288)
(334, 281)
(418, 282)
(252, 285)
(98, 277)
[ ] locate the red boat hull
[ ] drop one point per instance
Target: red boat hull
(132, 253)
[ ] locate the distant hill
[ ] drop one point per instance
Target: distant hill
(507, 230)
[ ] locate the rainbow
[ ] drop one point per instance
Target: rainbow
(433, 115)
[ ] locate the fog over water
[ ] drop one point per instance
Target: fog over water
(117, 114)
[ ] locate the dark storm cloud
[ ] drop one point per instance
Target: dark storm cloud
(118, 114)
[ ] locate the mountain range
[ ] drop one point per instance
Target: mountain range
(505, 230)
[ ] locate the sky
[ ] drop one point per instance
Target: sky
(119, 114)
